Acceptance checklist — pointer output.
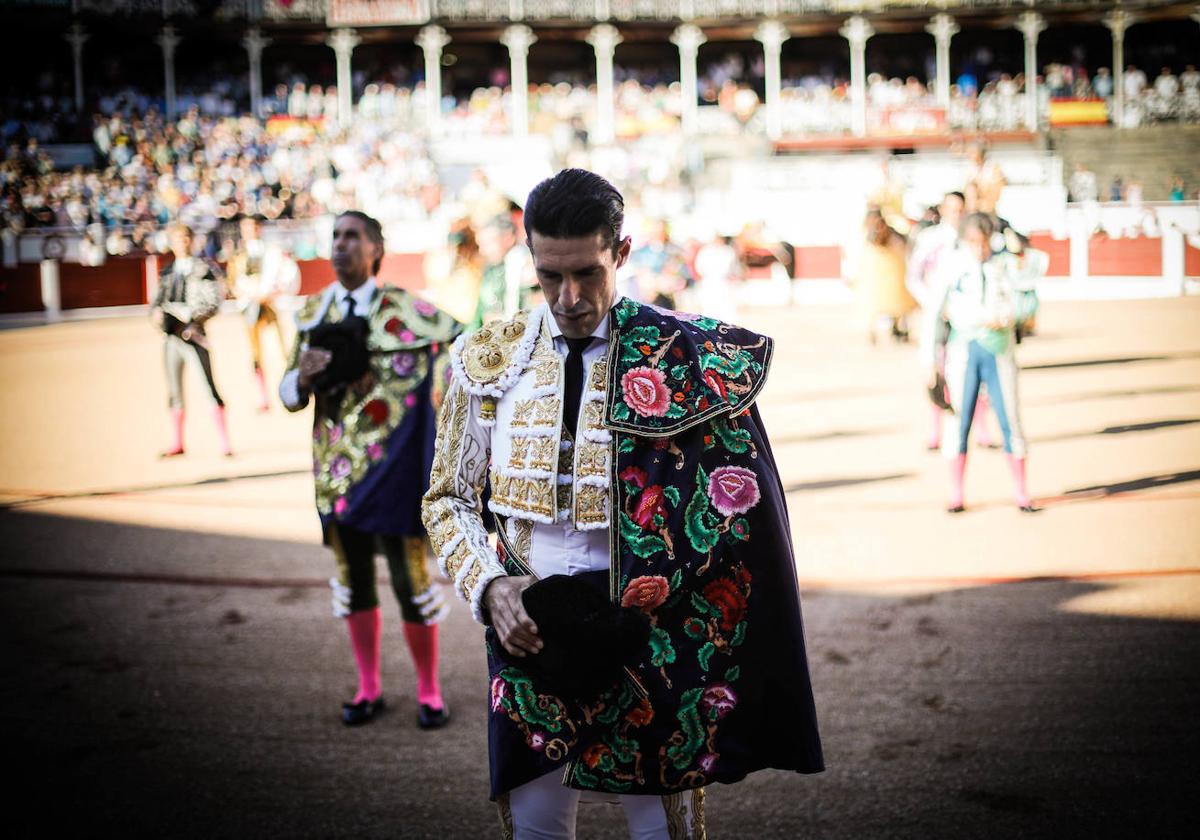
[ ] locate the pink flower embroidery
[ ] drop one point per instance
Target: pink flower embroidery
(733, 490)
(652, 503)
(424, 308)
(499, 692)
(403, 364)
(634, 475)
(646, 592)
(339, 507)
(645, 391)
(374, 451)
(335, 433)
(718, 700)
(340, 467)
(707, 762)
(410, 400)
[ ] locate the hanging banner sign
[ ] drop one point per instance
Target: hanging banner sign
(377, 12)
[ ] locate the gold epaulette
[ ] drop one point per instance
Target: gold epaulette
(489, 360)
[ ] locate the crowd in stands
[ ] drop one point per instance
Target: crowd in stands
(214, 165)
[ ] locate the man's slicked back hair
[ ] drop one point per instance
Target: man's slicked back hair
(374, 232)
(575, 203)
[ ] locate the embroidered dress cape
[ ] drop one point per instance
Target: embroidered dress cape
(372, 451)
(672, 459)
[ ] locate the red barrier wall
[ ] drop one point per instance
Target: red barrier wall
(818, 261)
(119, 282)
(21, 288)
(1059, 251)
(1140, 257)
(1191, 260)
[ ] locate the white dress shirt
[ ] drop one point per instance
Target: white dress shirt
(559, 549)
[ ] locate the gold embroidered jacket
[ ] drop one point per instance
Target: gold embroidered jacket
(502, 420)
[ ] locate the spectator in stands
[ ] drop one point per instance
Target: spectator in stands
(1135, 82)
(1116, 190)
(1102, 84)
(1083, 186)
(1178, 190)
(1189, 79)
(1167, 84)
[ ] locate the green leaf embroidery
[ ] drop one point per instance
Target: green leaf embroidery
(702, 606)
(679, 372)
(704, 654)
(625, 444)
(676, 579)
(672, 493)
(675, 411)
(584, 778)
(661, 651)
(620, 411)
(740, 529)
(732, 437)
(681, 755)
(641, 544)
(733, 673)
(739, 634)
(698, 523)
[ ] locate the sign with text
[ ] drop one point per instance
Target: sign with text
(377, 12)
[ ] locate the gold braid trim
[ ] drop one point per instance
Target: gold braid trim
(676, 812)
(699, 829)
(506, 820)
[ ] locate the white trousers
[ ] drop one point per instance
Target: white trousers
(545, 809)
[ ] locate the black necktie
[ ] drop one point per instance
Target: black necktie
(574, 392)
(348, 305)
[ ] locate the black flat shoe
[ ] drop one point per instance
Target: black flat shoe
(955, 509)
(364, 711)
(431, 718)
(1030, 509)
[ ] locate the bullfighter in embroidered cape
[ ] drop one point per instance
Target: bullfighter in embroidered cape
(652, 472)
(375, 360)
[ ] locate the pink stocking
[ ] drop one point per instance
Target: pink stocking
(958, 469)
(935, 428)
(366, 627)
(177, 428)
(222, 428)
(264, 403)
(1018, 472)
(423, 644)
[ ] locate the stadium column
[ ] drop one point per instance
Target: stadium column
(76, 37)
(1031, 24)
(169, 39)
(688, 37)
(254, 42)
(858, 31)
(343, 42)
(1117, 21)
(519, 38)
(604, 39)
(432, 40)
(942, 27)
(771, 34)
